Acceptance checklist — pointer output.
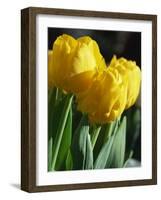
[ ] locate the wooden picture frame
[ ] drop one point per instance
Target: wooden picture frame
(28, 98)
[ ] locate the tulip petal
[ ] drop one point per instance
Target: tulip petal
(72, 61)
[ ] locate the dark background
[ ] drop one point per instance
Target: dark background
(122, 44)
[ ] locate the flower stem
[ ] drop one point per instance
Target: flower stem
(61, 127)
(95, 135)
(109, 130)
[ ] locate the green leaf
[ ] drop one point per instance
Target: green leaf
(101, 160)
(129, 157)
(60, 123)
(89, 153)
(104, 153)
(94, 135)
(117, 154)
(65, 143)
(69, 161)
(99, 143)
(50, 146)
(106, 131)
(81, 147)
(133, 115)
(52, 96)
(110, 127)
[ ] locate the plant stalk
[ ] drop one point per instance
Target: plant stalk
(95, 135)
(60, 130)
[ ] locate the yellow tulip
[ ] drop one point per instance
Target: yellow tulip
(50, 71)
(105, 100)
(131, 71)
(74, 63)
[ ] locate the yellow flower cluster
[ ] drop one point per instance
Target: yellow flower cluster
(103, 92)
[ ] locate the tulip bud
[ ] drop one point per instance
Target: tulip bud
(50, 71)
(105, 100)
(74, 63)
(131, 71)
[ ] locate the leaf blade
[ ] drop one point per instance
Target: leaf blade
(117, 155)
(89, 153)
(65, 143)
(81, 149)
(100, 162)
(58, 122)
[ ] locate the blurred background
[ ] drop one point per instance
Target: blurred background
(122, 44)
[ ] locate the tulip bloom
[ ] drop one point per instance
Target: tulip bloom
(131, 71)
(105, 100)
(73, 63)
(50, 71)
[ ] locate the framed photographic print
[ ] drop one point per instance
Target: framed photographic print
(88, 99)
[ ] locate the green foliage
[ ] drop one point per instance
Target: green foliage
(102, 158)
(65, 143)
(59, 130)
(81, 149)
(117, 154)
(86, 146)
(133, 132)
(69, 161)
